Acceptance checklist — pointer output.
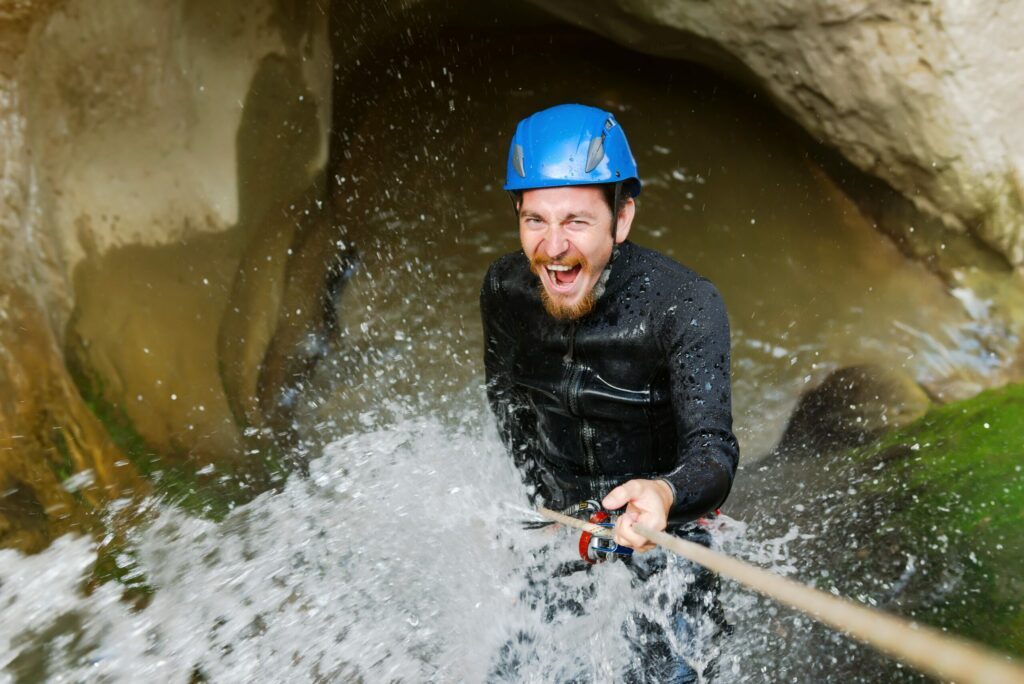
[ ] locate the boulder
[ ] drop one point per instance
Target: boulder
(927, 521)
(850, 407)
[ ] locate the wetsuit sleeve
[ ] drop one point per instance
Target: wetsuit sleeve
(517, 425)
(699, 360)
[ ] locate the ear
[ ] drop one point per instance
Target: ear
(625, 222)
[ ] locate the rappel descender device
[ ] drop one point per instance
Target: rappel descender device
(597, 549)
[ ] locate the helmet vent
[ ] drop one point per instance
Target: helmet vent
(517, 161)
(596, 152)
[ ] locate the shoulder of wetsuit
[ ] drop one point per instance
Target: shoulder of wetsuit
(508, 279)
(684, 290)
(659, 265)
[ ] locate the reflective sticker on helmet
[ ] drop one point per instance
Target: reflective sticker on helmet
(596, 153)
(517, 161)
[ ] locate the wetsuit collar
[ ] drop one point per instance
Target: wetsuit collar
(606, 274)
(615, 272)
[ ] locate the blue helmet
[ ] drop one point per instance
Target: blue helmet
(570, 144)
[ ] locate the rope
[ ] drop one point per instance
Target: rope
(925, 648)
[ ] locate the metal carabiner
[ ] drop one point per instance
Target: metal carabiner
(598, 549)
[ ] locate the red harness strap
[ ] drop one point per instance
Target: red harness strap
(596, 518)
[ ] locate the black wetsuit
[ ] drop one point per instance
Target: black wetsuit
(639, 387)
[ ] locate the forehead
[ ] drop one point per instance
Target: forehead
(565, 200)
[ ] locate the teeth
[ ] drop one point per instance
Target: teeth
(559, 267)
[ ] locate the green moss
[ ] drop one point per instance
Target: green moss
(175, 476)
(953, 486)
(62, 467)
(117, 562)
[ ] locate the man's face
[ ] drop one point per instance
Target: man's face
(566, 233)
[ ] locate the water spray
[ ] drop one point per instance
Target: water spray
(921, 647)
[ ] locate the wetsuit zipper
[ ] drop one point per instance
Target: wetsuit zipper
(587, 435)
(572, 388)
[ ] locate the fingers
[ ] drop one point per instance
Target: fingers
(625, 536)
(621, 495)
(645, 503)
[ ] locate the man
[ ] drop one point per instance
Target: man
(607, 364)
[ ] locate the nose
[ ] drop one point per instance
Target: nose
(556, 243)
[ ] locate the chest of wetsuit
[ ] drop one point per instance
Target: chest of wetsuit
(639, 387)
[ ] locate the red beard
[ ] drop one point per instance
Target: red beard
(554, 307)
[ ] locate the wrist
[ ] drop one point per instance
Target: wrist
(666, 491)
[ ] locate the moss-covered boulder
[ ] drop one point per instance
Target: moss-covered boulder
(927, 522)
(948, 491)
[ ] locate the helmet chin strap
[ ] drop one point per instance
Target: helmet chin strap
(515, 204)
(615, 211)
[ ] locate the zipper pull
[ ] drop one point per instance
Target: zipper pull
(572, 341)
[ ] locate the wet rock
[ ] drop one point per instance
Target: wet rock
(143, 142)
(850, 407)
(58, 465)
(279, 316)
(146, 149)
(142, 339)
(928, 521)
(925, 96)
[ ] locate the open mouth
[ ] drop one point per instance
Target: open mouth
(563, 276)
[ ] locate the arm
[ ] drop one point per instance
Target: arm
(707, 452)
(699, 376)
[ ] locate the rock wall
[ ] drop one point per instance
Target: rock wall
(155, 125)
(146, 149)
(924, 95)
(133, 114)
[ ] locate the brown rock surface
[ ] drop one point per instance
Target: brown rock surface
(47, 435)
(129, 194)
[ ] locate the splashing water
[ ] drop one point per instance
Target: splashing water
(402, 557)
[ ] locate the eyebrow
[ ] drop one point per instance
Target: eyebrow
(529, 213)
(580, 214)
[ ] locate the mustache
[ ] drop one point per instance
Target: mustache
(539, 261)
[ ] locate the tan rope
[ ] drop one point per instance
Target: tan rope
(927, 649)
